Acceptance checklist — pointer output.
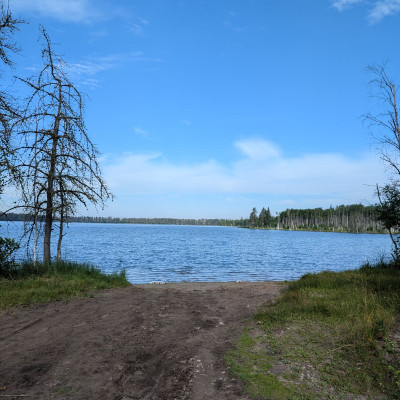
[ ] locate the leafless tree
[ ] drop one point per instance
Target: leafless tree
(386, 130)
(8, 26)
(56, 161)
(385, 121)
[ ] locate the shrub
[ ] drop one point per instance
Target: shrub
(7, 250)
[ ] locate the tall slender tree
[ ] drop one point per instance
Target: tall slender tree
(55, 158)
(385, 123)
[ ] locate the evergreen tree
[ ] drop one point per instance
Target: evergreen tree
(253, 220)
(263, 218)
(268, 218)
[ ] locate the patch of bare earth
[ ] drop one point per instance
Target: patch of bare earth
(142, 342)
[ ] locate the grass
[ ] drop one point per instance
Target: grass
(41, 283)
(330, 336)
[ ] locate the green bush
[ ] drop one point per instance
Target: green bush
(7, 250)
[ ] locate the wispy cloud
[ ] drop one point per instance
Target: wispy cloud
(383, 9)
(139, 131)
(100, 33)
(344, 4)
(64, 10)
(325, 175)
(86, 71)
(378, 10)
(137, 27)
(232, 21)
(257, 149)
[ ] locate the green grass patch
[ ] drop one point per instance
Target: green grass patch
(329, 336)
(41, 283)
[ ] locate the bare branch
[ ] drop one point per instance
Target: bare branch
(57, 165)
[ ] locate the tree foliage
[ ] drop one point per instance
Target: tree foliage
(265, 218)
(388, 212)
(253, 219)
(344, 218)
(8, 247)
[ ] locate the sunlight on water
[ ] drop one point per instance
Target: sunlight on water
(203, 253)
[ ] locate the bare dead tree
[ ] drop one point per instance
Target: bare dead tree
(386, 131)
(66, 208)
(8, 109)
(8, 25)
(385, 122)
(56, 161)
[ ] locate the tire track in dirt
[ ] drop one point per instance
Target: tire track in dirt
(142, 342)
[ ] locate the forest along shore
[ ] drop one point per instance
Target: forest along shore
(144, 341)
(354, 218)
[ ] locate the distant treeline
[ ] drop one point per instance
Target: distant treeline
(351, 218)
(150, 221)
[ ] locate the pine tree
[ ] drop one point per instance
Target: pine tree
(253, 220)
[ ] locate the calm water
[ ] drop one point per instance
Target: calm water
(202, 253)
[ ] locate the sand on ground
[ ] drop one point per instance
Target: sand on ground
(164, 341)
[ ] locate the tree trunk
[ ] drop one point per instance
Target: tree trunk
(49, 220)
(60, 240)
(50, 185)
(35, 240)
(60, 237)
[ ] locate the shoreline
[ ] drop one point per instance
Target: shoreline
(203, 286)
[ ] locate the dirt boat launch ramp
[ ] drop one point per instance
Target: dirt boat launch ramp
(158, 341)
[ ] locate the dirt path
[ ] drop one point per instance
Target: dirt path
(143, 342)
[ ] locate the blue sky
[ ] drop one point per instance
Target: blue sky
(208, 108)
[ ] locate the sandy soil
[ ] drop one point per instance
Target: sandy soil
(142, 342)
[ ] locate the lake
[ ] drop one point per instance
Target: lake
(172, 253)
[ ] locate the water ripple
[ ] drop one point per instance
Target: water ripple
(201, 253)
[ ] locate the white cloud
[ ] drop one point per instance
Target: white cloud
(324, 175)
(86, 70)
(152, 174)
(383, 9)
(137, 27)
(378, 10)
(64, 10)
(344, 4)
(139, 131)
(257, 148)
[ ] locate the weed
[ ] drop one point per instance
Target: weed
(39, 283)
(326, 337)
